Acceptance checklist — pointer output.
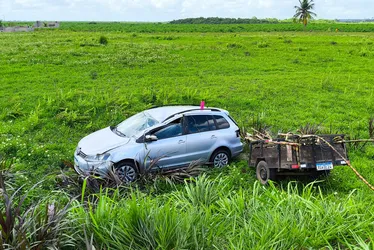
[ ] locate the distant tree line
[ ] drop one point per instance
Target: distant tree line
(355, 20)
(220, 20)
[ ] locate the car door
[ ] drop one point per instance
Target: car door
(201, 137)
(169, 150)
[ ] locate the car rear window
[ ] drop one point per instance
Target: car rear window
(232, 119)
(221, 122)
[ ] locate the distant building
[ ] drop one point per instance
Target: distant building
(16, 29)
(54, 25)
(39, 24)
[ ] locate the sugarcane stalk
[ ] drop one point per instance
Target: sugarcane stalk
(358, 140)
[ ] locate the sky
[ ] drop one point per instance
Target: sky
(167, 10)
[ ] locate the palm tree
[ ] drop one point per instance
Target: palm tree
(303, 12)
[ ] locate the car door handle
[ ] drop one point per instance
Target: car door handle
(213, 137)
(181, 141)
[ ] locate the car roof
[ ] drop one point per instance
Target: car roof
(166, 112)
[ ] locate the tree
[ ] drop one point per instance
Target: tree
(304, 12)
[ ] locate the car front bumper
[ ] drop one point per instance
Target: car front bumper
(85, 167)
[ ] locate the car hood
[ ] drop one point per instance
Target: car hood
(101, 141)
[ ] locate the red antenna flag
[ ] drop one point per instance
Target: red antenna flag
(202, 104)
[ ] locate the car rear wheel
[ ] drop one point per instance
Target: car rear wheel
(264, 173)
(126, 171)
(220, 158)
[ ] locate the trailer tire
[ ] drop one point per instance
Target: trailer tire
(264, 173)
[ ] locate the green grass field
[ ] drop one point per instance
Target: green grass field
(57, 86)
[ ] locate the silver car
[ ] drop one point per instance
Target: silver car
(172, 136)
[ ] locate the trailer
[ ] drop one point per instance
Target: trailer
(292, 154)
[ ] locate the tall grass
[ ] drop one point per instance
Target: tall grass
(37, 226)
(58, 86)
(211, 215)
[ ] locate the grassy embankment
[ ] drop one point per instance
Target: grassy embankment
(57, 86)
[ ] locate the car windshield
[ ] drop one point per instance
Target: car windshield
(135, 124)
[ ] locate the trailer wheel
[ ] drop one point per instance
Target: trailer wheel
(264, 173)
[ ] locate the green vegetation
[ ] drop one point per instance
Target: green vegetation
(219, 20)
(57, 86)
(304, 12)
(103, 40)
(213, 214)
(208, 28)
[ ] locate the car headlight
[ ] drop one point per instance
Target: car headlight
(102, 157)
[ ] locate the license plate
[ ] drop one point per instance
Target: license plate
(324, 166)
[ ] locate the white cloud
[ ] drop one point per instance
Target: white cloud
(265, 3)
(164, 10)
(347, 9)
(163, 3)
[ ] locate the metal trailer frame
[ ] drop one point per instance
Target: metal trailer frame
(296, 155)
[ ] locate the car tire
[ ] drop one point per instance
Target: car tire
(264, 173)
(220, 158)
(126, 171)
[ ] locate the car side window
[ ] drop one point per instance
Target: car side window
(197, 124)
(221, 122)
(211, 122)
(173, 129)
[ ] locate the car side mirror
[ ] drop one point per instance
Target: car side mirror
(151, 138)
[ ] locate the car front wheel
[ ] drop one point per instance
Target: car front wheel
(126, 171)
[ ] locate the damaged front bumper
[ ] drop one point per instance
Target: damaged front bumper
(85, 167)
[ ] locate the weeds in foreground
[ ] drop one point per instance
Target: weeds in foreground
(11, 220)
(154, 172)
(90, 184)
(33, 227)
(211, 214)
(5, 165)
